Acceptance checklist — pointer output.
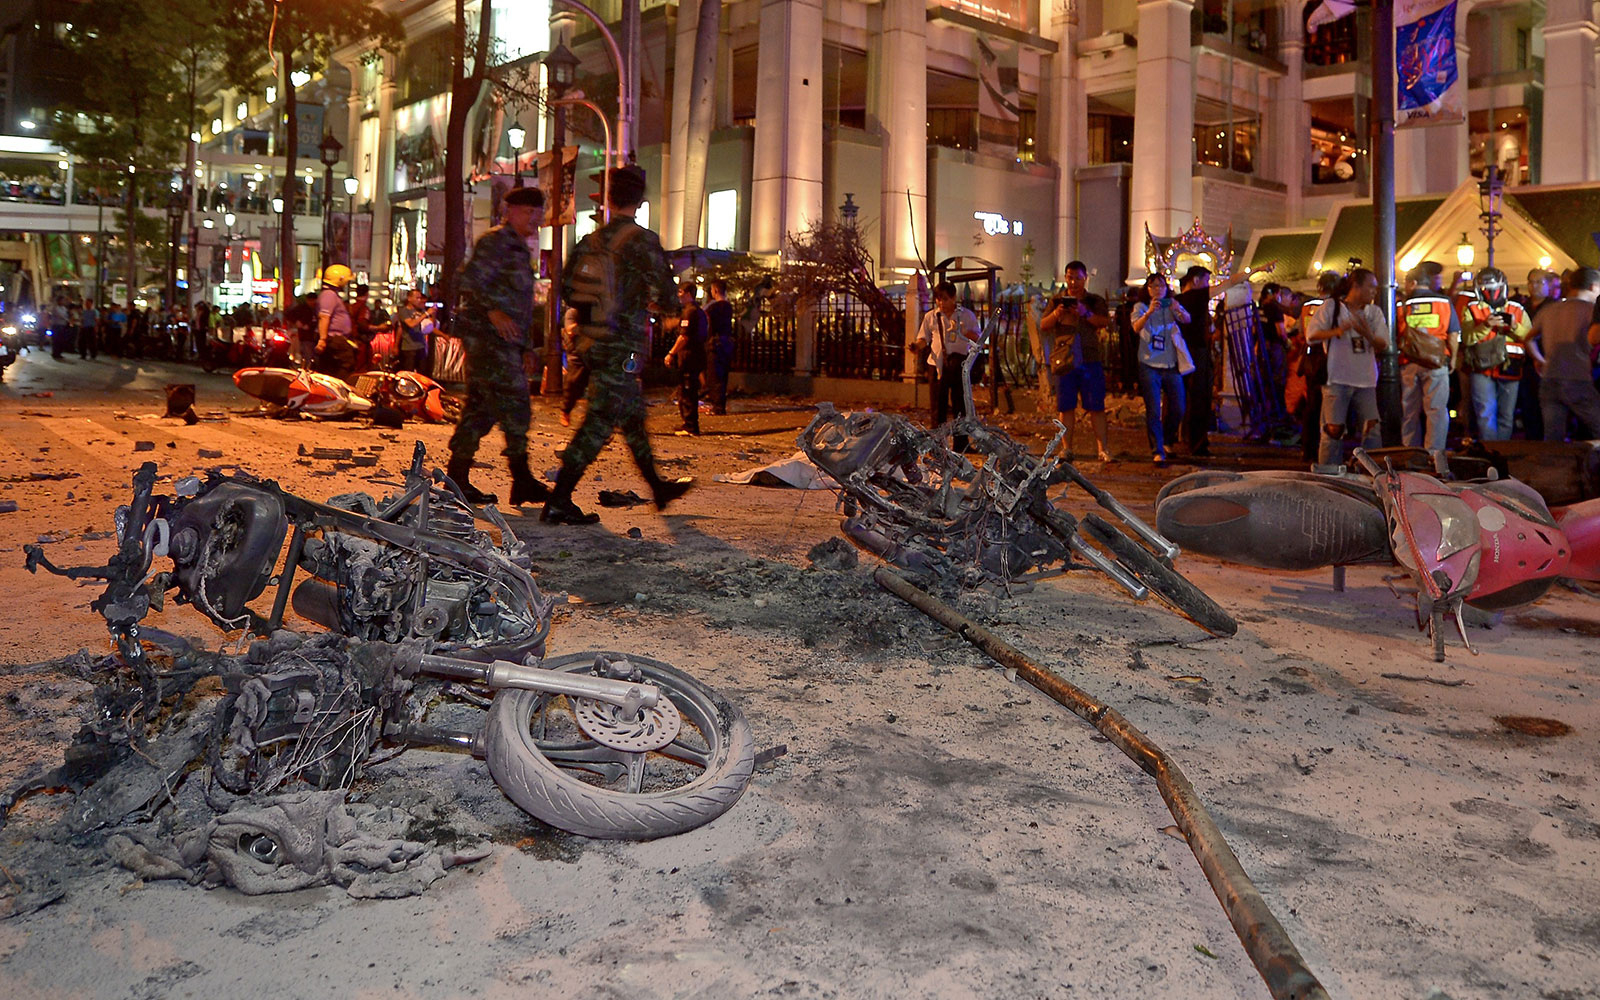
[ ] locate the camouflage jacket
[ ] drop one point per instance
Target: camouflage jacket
(644, 277)
(498, 275)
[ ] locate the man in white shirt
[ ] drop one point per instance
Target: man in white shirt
(947, 333)
(1355, 332)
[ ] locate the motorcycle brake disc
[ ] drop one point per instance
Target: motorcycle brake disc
(606, 724)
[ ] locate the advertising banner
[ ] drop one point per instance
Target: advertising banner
(269, 250)
(1429, 88)
(566, 213)
(308, 125)
(350, 240)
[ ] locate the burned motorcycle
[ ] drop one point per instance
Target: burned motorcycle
(1489, 544)
(913, 500)
(431, 618)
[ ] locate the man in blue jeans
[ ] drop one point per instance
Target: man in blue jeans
(1355, 333)
(1071, 329)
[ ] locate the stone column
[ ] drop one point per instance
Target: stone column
(1569, 149)
(900, 116)
(1291, 120)
(786, 185)
(899, 110)
(671, 224)
(1068, 138)
(383, 176)
(1163, 127)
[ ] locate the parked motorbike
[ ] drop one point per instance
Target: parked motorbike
(1489, 544)
(300, 390)
(430, 619)
(10, 345)
(917, 502)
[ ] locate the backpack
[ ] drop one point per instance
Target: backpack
(593, 286)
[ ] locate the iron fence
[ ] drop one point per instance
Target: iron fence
(852, 344)
(768, 346)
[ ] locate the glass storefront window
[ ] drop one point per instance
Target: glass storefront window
(39, 182)
(1332, 44)
(1501, 140)
(1212, 146)
(1110, 139)
(1338, 141)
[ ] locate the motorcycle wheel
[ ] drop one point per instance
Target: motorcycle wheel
(1163, 581)
(552, 770)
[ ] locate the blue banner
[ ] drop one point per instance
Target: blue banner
(1427, 90)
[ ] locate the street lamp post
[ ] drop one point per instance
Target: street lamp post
(1489, 192)
(562, 67)
(330, 148)
(174, 216)
(228, 219)
(285, 267)
(516, 135)
(351, 184)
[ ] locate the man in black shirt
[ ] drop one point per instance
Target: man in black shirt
(1274, 349)
(689, 354)
(719, 316)
(1195, 297)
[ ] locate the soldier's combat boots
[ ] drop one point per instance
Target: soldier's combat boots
(525, 487)
(458, 470)
(560, 509)
(664, 491)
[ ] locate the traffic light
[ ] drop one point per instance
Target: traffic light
(598, 196)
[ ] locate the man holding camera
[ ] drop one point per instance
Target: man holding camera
(1493, 329)
(948, 333)
(1071, 329)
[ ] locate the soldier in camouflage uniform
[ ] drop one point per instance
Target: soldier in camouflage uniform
(615, 350)
(496, 322)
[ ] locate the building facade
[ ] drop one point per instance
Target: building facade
(1022, 132)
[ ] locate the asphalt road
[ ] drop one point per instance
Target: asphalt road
(934, 830)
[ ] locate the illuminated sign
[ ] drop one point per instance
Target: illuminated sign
(996, 224)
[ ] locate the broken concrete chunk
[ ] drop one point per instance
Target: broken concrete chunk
(328, 454)
(144, 446)
(8, 506)
(209, 453)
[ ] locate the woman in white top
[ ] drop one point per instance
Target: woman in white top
(1155, 320)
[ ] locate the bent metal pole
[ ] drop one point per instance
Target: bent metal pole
(1264, 938)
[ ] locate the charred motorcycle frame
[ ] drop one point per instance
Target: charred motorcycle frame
(429, 615)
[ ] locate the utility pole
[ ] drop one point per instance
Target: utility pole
(562, 68)
(1383, 239)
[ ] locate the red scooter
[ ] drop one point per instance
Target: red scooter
(1492, 544)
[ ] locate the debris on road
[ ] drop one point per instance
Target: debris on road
(8, 506)
(834, 554)
(144, 446)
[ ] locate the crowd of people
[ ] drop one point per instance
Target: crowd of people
(1476, 362)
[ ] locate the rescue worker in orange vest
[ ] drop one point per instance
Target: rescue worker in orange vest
(1425, 391)
(1493, 330)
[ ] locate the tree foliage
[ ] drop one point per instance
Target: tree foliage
(131, 117)
(282, 37)
(831, 256)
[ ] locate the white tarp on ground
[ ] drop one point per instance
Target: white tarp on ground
(797, 472)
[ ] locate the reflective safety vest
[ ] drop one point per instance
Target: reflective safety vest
(1476, 328)
(1428, 312)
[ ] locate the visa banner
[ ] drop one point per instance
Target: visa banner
(1429, 90)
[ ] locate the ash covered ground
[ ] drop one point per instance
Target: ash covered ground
(934, 830)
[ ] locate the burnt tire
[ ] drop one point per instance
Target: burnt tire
(571, 798)
(1163, 581)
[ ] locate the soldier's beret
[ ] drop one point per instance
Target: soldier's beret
(627, 185)
(531, 197)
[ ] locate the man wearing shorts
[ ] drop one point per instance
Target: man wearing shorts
(1071, 330)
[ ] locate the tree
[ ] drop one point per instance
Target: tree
(129, 116)
(831, 256)
(295, 36)
(466, 86)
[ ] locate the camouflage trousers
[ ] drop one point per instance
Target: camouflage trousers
(497, 393)
(616, 401)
